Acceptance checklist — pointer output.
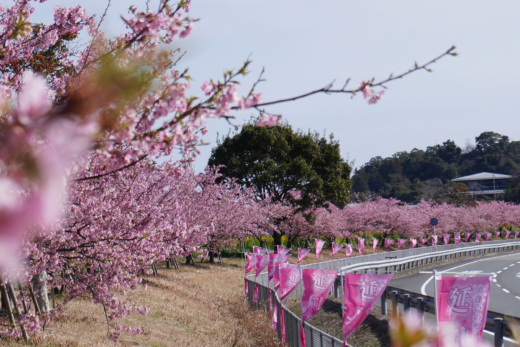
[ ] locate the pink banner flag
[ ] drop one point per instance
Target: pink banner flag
(488, 236)
(516, 234)
(283, 250)
(348, 250)
(255, 293)
(258, 250)
(302, 252)
(435, 239)
(457, 238)
(388, 242)
(261, 263)
(467, 236)
(446, 238)
(423, 241)
(497, 234)
(251, 260)
(274, 321)
(508, 232)
(273, 260)
(277, 267)
(319, 246)
(477, 237)
(463, 302)
(400, 243)
(361, 245)
(316, 287)
(413, 242)
(336, 248)
(374, 243)
(289, 279)
(362, 291)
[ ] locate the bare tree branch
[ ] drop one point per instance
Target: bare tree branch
(328, 89)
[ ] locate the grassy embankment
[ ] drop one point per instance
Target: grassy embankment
(192, 306)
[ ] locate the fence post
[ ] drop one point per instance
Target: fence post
(336, 287)
(279, 312)
(420, 306)
(499, 332)
(383, 304)
(395, 313)
(406, 302)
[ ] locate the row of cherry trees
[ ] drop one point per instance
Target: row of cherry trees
(115, 227)
(393, 218)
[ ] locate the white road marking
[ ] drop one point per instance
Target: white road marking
(507, 267)
(498, 285)
(423, 288)
(494, 280)
(505, 338)
(518, 297)
(505, 290)
(512, 265)
(499, 271)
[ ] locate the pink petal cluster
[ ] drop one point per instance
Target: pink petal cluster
(268, 120)
(368, 93)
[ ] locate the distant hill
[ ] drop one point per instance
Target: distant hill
(410, 176)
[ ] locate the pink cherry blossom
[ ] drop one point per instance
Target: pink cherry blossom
(376, 97)
(268, 120)
(367, 91)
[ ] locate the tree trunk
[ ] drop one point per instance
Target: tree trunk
(277, 241)
(40, 287)
(212, 257)
(189, 259)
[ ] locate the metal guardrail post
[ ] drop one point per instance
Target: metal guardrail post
(383, 304)
(395, 301)
(420, 306)
(499, 332)
(279, 312)
(406, 302)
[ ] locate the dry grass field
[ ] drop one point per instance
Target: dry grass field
(192, 306)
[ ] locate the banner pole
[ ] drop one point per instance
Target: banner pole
(342, 294)
(343, 304)
(301, 305)
(436, 296)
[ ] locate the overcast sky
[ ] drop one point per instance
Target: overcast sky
(304, 45)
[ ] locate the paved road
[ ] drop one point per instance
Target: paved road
(505, 291)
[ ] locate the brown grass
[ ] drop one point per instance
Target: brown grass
(201, 306)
